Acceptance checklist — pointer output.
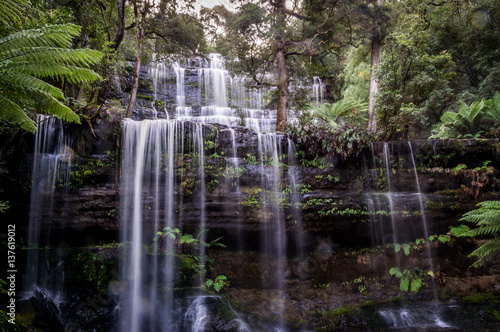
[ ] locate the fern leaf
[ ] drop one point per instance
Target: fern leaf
(47, 104)
(10, 10)
(13, 113)
(486, 252)
(30, 83)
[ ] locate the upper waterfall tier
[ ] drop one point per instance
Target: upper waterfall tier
(202, 90)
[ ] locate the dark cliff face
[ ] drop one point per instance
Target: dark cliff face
(333, 202)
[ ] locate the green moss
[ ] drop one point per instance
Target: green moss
(343, 310)
(489, 298)
(368, 305)
(159, 104)
(395, 300)
(145, 97)
(7, 326)
(494, 313)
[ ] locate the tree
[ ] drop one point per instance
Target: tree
(272, 37)
(141, 10)
(487, 218)
(30, 56)
(415, 77)
(148, 25)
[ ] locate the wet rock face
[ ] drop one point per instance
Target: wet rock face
(334, 202)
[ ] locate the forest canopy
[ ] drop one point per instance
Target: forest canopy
(423, 68)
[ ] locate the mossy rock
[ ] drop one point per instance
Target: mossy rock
(482, 298)
(144, 97)
(6, 324)
(343, 310)
(159, 104)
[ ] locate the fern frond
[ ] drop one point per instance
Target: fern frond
(60, 72)
(332, 112)
(30, 83)
(486, 252)
(13, 113)
(47, 104)
(54, 55)
(27, 57)
(48, 36)
(10, 10)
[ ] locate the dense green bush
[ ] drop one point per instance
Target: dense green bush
(471, 121)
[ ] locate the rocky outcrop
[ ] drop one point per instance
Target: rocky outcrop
(339, 202)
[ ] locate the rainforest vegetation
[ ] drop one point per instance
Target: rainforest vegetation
(434, 65)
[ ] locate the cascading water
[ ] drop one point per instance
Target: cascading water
(318, 90)
(159, 72)
(149, 203)
(51, 171)
(218, 98)
(273, 239)
(407, 224)
(181, 109)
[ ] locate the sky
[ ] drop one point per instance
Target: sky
(212, 3)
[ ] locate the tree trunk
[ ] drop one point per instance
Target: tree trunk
(106, 84)
(121, 25)
(135, 82)
(282, 69)
(141, 31)
(375, 60)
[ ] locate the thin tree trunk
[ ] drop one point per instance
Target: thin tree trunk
(121, 25)
(282, 69)
(106, 84)
(135, 82)
(375, 60)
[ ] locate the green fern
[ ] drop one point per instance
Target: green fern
(11, 10)
(27, 58)
(332, 113)
(493, 116)
(469, 121)
(487, 218)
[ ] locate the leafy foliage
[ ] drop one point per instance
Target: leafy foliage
(315, 140)
(27, 58)
(487, 218)
(218, 283)
(410, 280)
(469, 121)
(332, 113)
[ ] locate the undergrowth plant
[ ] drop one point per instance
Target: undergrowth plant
(487, 218)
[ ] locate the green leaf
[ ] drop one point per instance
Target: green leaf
(397, 247)
(406, 248)
(393, 271)
(416, 283)
(28, 57)
(404, 284)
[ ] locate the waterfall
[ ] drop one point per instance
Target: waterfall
(158, 72)
(424, 221)
(318, 88)
(51, 170)
(218, 97)
(273, 240)
(414, 317)
(407, 222)
(181, 109)
(149, 202)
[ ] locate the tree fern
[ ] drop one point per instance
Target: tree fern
(468, 121)
(27, 57)
(487, 218)
(332, 113)
(10, 10)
